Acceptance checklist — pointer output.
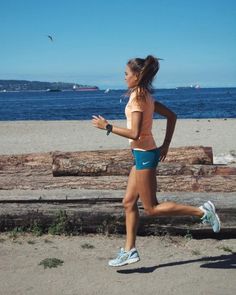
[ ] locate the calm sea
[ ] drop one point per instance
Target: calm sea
(69, 105)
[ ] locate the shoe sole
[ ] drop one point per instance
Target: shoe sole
(133, 260)
(212, 206)
(218, 219)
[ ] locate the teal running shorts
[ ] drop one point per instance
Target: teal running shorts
(146, 159)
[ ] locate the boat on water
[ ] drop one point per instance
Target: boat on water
(53, 90)
(85, 88)
(107, 90)
(197, 86)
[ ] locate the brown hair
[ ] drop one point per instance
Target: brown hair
(145, 69)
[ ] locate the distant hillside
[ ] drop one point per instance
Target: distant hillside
(23, 85)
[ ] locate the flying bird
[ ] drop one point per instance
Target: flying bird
(50, 37)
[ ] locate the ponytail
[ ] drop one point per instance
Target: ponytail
(148, 72)
(146, 69)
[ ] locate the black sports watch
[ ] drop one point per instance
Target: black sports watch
(109, 128)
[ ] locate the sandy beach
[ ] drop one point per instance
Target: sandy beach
(19, 137)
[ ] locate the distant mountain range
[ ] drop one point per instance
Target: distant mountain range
(23, 85)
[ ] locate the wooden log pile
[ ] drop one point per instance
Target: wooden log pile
(184, 169)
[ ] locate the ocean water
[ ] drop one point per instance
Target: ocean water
(72, 105)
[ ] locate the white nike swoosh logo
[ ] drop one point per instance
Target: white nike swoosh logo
(144, 163)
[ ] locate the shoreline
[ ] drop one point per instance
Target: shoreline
(19, 137)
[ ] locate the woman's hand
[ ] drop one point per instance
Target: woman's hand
(99, 122)
(163, 151)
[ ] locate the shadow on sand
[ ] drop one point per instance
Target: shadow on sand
(221, 262)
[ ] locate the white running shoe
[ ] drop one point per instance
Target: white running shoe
(210, 216)
(125, 257)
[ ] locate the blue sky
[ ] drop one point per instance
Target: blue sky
(93, 40)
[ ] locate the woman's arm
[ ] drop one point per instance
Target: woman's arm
(132, 133)
(171, 120)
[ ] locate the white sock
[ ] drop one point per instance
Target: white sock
(204, 211)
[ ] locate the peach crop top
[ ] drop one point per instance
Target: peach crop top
(145, 140)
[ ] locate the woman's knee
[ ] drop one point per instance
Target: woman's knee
(129, 203)
(150, 211)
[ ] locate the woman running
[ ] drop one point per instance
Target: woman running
(142, 181)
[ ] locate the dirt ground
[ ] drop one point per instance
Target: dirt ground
(169, 265)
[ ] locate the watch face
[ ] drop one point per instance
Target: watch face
(109, 128)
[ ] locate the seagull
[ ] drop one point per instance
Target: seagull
(50, 37)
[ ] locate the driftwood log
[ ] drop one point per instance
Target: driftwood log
(171, 183)
(118, 162)
(102, 212)
(34, 171)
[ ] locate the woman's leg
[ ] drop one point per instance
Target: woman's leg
(131, 210)
(146, 186)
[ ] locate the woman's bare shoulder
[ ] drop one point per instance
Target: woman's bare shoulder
(134, 92)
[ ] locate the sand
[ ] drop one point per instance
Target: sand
(169, 265)
(19, 137)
